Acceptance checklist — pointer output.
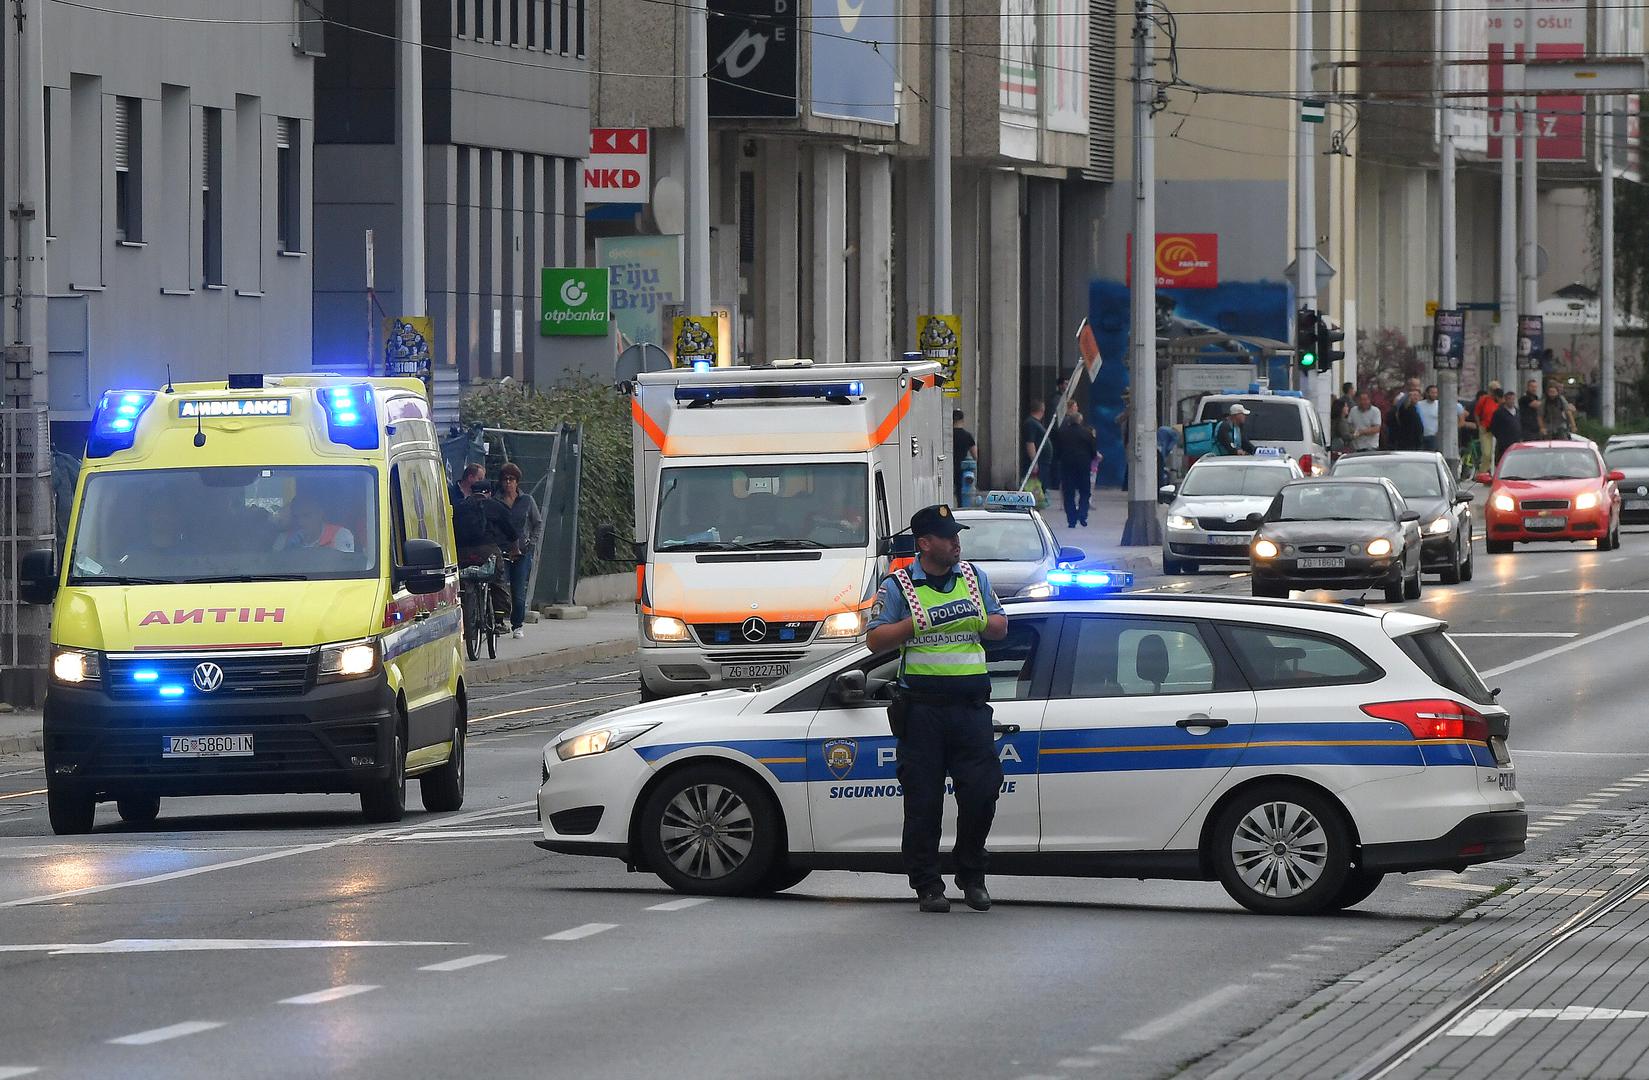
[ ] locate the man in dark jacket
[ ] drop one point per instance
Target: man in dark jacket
(1076, 447)
(1528, 410)
(482, 530)
(1407, 429)
(1505, 426)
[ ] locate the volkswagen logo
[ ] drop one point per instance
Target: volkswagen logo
(208, 677)
(754, 629)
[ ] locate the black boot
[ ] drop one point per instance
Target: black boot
(933, 901)
(976, 896)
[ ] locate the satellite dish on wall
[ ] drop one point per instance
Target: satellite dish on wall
(669, 205)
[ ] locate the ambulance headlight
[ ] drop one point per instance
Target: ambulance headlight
(666, 628)
(349, 660)
(843, 624)
(75, 666)
(600, 740)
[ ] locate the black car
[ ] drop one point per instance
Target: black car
(1337, 533)
(1423, 479)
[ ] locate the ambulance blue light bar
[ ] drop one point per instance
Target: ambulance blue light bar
(1090, 580)
(753, 391)
(351, 415)
(114, 425)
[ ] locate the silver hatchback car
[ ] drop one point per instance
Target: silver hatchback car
(1213, 512)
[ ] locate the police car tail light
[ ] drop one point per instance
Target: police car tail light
(114, 426)
(842, 624)
(351, 415)
(1433, 718)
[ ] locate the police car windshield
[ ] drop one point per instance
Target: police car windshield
(1414, 479)
(1627, 457)
(251, 523)
(1268, 420)
(1002, 537)
(732, 507)
(1235, 480)
(1333, 502)
(1544, 463)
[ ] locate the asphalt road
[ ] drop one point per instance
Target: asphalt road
(283, 937)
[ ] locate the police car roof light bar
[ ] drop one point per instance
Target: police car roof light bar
(1091, 581)
(351, 417)
(114, 426)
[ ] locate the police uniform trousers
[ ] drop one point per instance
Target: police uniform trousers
(947, 737)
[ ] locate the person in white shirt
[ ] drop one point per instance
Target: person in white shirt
(1366, 423)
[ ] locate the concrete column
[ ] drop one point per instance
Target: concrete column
(777, 210)
(875, 284)
(1048, 351)
(971, 256)
(441, 271)
(914, 254)
(999, 350)
(514, 285)
(829, 264)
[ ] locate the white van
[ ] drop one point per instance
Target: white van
(1280, 418)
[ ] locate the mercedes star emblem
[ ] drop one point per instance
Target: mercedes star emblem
(754, 629)
(208, 677)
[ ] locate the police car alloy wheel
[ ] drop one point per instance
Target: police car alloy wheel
(711, 829)
(1282, 849)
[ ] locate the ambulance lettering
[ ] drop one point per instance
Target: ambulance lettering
(180, 616)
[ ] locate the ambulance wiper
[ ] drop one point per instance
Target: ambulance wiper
(116, 579)
(762, 544)
(701, 545)
(247, 577)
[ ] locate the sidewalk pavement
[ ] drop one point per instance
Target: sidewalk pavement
(1101, 539)
(1548, 977)
(606, 633)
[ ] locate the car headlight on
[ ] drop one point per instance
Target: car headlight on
(349, 660)
(1264, 549)
(1038, 591)
(1438, 527)
(1503, 502)
(843, 624)
(600, 740)
(1181, 522)
(1586, 500)
(666, 628)
(75, 666)
(1379, 546)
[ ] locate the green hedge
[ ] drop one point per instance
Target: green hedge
(608, 482)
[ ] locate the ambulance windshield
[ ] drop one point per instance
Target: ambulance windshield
(248, 523)
(763, 507)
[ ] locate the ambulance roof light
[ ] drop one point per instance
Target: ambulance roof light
(351, 416)
(114, 425)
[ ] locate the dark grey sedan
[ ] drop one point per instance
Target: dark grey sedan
(1629, 454)
(1338, 533)
(1422, 477)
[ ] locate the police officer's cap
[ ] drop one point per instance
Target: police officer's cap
(935, 521)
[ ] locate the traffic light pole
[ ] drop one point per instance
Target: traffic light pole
(1305, 180)
(1448, 379)
(1142, 528)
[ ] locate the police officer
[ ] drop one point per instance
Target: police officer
(940, 612)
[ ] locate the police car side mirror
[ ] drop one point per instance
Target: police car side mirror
(1070, 556)
(902, 546)
(1166, 493)
(849, 688)
(37, 577)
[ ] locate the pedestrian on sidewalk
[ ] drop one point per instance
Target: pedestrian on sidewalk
(460, 491)
(1505, 426)
(1528, 410)
(1340, 428)
(1366, 423)
(1077, 450)
(1031, 433)
(963, 446)
(1407, 428)
(529, 526)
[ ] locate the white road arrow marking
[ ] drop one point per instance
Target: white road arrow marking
(1494, 1021)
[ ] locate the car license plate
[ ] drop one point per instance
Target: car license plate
(739, 672)
(1228, 538)
(1335, 562)
(1545, 522)
(199, 746)
(1637, 504)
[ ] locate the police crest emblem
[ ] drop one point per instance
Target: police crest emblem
(839, 756)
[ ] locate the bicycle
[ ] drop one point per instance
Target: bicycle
(1470, 454)
(480, 619)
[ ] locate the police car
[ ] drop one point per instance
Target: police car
(1294, 752)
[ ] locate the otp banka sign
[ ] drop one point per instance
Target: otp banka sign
(753, 58)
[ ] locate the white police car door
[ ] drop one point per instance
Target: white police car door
(1145, 716)
(853, 789)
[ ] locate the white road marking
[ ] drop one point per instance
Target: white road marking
(469, 834)
(1494, 1021)
(1182, 1016)
(331, 993)
(1568, 646)
(20, 772)
(681, 905)
(1268, 975)
(1321, 948)
(11, 1072)
(175, 1031)
(1509, 634)
(1285, 967)
(463, 962)
(1107, 1048)
(268, 856)
(578, 933)
(121, 946)
(1076, 1063)
(1450, 883)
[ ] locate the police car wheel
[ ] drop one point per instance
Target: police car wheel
(138, 809)
(1280, 849)
(1359, 886)
(70, 809)
(711, 829)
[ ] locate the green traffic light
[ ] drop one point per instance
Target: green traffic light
(1308, 359)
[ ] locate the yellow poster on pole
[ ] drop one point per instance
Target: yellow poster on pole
(939, 337)
(409, 346)
(694, 340)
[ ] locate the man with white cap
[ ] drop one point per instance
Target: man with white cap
(1229, 436)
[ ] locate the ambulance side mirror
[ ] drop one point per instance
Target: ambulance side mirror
(607, 546)
(423, 568)
(849, 688)
(37, 577)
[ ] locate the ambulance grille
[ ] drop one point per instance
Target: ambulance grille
(754, 632)
(244, 674)
(754, 656)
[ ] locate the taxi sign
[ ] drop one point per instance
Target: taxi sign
(1010, 500)
(190, 409)
(1269, 451)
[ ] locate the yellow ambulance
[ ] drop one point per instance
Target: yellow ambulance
(259, 594)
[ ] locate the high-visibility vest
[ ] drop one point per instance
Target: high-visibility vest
(948, 629)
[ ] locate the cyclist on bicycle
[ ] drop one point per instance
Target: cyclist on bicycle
(482, 529)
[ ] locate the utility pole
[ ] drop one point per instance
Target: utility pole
(1305, 180)
(409, 131)
(697, 240)
(1141, 529)
(1505, 369)
(1448, 378)
(1606, 249)
(1531, 165)
(939, 134)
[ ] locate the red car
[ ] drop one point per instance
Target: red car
(1552, 490)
